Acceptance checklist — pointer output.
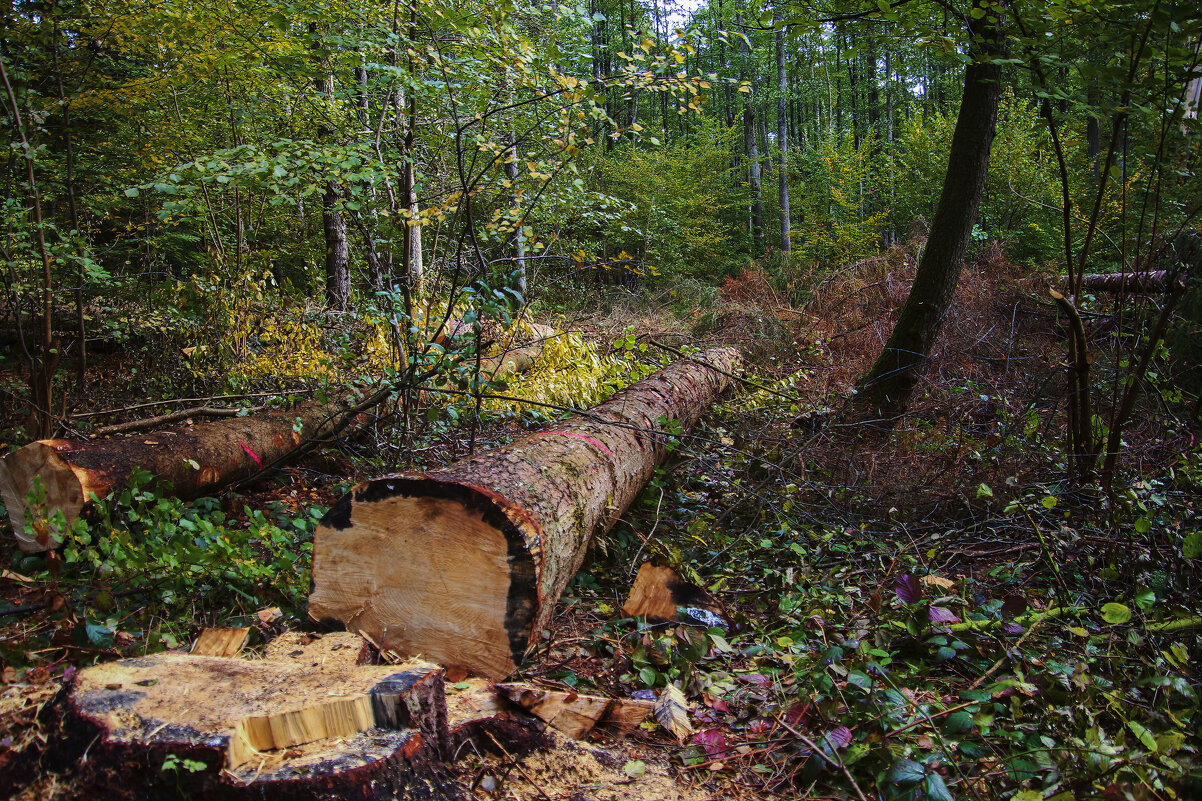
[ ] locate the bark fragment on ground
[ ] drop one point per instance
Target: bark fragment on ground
(464, 564)
(660, 594)
(575, 714)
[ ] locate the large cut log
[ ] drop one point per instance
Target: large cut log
(464, 564)
(1152, 281)
(195, 460)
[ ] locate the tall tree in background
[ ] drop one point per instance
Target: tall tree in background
(888, 385)
(782, 138)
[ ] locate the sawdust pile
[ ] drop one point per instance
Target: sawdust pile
(575, 771)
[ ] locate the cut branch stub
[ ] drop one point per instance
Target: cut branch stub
(463, 565)
(194, 460)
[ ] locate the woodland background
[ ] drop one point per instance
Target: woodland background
(245, 204)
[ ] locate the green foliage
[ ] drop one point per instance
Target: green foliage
(675, 205)
(149, 553)
(839, 190)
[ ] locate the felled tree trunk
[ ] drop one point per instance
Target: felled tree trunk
(464, 564)
(1153, 281)
(195, 460)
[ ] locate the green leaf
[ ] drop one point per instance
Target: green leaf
(132, 192)
(1049, 502)
(907, 771)
(1191, 548)
(1141, 732)
(937, 789)
(1145, 598)
(1115, 613)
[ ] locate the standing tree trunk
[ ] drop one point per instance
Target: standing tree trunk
(887, 386)
(338, 274)
(464, 564)
(782, 140)
(751, 148)
(337, 259)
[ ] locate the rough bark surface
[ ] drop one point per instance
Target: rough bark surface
(72, 471)
(464, 564)
(888, 384)
(1153, 281)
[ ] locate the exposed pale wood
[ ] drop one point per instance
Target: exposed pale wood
(464, 564)
(341, 717)
(220, 642)
(571, 713)
(651, 596)
(261, 722)
(478, 718)
(72, 471)
(624, 715)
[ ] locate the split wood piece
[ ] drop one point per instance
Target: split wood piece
(478, 718)
(71, 472)
(577, 715)
(571, 713)
(335, 649)
(660, 594)
(220, 642)
(464, 565)
(1144, 282)
(274, 728)
(627, 714)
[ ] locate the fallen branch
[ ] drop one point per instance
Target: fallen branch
(174, 417)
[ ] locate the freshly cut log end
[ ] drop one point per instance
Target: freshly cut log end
(463, 592)
(61, 488)
(281, 729)
(464, 565)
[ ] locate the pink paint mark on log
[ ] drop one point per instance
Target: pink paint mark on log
(251, 454)
(584, 437)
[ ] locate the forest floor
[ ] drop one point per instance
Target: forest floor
(923, 607)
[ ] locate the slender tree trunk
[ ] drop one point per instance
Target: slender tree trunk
(338, 274)
(888, 385)
(782, 141)
(337, 256)
(751, 148)
(511, 171)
